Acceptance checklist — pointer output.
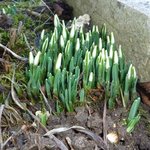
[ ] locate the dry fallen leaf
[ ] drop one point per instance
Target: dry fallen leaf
(143, 89)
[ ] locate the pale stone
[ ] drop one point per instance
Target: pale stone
(129, 20)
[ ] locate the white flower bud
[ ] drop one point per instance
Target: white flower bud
(42, 34)
(111, 52)
(91, 77)
(120, 51)
(56, 21)
(77, 44)
(94, 51)
(108, 39)
(107, 63)
(62, 42)
(106, 54)
(58, 62)
(37, 58)
(129, 72)
(115, 57)
(134, 72)
(112, 40)
(64, 32)
(72, 32)
(31, 58)
(100, 44)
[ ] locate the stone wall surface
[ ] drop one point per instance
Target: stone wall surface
(130, 22)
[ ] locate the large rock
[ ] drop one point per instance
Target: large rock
(130, 22)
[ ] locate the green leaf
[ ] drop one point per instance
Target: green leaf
(134, 109)
(82, 95)
(132, 123)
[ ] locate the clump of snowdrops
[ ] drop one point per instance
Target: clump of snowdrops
(69, 63)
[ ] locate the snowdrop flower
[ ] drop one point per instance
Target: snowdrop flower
(91, 77)
(37, 58)
(94, 51)
(58, 62)
(115, 57)
(31, 58)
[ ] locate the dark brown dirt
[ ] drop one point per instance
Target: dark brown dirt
(30, 138)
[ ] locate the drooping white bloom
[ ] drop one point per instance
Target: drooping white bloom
(37, 58)
(115, 57)
(91, 77)
(58, 62)
(31, 58)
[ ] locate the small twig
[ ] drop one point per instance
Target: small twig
(69, 143)
(46, 102)
(123, 101)
(47, 7)
(4, 61)
(27, 43)
(1, 111)
(14, 54)
(3, 145)
(19, 27)
(42, 24)
(13, 93)
(33, 13)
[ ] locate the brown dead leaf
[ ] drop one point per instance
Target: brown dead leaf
(13, 37)
(58, 9)
(5, 21)
(143, 89)
(96, 94)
